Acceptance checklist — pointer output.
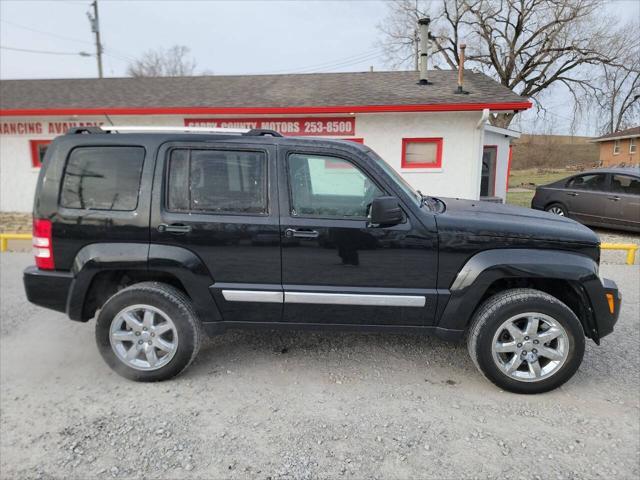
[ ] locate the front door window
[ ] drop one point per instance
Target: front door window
(327, 187)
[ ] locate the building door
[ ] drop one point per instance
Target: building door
(336, 267)
(489, 161)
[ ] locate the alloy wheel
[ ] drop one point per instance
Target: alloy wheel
(556, 211)
(143, 337)
(530, 347)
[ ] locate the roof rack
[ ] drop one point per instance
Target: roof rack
(255, 132)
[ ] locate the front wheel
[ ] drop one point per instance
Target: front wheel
(526, 341)
(148, 332)
(557, 209)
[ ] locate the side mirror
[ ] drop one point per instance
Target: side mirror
(385, 212)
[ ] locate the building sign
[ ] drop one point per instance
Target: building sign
(312, 126)
(42, 128)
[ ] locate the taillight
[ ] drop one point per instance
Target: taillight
(42, 246)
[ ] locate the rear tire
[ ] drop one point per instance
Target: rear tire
(148, 332)
(526, 341)
(557, 209)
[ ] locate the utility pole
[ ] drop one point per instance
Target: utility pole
(95, 28)
(416, 50)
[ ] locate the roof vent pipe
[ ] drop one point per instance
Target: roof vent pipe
(461, 71)
(425, 38)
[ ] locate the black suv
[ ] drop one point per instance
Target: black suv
(165, 235)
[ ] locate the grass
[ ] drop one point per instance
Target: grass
(520, 199)
(536, 176)
(529, 179)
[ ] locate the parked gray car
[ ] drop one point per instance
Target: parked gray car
(607, 197)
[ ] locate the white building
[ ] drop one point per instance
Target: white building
(438, 140)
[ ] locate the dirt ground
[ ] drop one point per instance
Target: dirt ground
(307, 405)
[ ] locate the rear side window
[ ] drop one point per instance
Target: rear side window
(102, 178)
(217, 181)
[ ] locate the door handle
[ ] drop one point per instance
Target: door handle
(615, 199)
(174, 228)
(302, 233)
(573, 194)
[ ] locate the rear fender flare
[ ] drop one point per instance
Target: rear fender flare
(176, 261)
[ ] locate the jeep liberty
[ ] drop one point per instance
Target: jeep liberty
(165, 235)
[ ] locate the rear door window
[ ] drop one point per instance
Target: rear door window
(102, 178)
(625, 184)
(217, 181)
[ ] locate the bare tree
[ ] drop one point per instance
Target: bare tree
(170, 62)
(528, 46)
(617, 103)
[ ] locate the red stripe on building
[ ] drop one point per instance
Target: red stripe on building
(444, 107)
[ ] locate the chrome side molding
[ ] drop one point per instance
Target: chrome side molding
(364, 299)
(263, 296)
(355, 299)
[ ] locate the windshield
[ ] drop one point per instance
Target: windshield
(406, 188)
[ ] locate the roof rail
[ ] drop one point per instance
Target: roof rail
(80, 130)
(256, 132)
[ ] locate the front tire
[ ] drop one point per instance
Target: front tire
(526, 341)
(148, 332)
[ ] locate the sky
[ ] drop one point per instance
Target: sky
(225, 37)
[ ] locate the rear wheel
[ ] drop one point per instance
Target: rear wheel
(557, 209)
(148, 332)
(526, 341)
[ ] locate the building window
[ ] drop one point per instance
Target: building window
(616, 147)
(632, 145)
(421, 152)
(38, 149)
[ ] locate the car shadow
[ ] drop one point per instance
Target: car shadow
(241, 350)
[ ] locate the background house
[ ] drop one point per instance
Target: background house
(434, 137)
(620, 148)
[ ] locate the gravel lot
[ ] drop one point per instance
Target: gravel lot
(307, 405)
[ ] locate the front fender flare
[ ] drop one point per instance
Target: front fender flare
(484, 268)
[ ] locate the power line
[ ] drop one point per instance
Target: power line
(108, 51)
(346, 64)
(46, 52)
(328, 65)
(62, 37)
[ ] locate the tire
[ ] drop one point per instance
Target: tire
(557, 209)
(120, 326)
(488, 338)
